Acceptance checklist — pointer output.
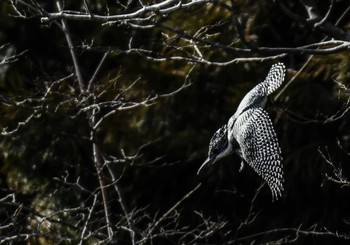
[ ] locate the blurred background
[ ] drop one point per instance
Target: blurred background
(48, 178)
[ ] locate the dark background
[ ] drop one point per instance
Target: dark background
(178, 128)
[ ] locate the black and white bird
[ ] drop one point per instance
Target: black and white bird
(250, 133)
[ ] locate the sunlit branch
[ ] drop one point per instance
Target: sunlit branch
(338, 176)
(71, 50)
(20, 125)
(162, 8)
(123, 206)
(99, 163)
(97, 70)
(91, 209)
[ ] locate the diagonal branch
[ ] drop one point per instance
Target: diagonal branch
(71, 50)
(167, 213)
(98, 163)
(97, 70)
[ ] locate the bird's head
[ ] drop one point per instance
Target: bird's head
(219, 147)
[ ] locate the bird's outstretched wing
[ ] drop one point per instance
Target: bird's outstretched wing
(258, 143)
(275, 77)
(273, 80)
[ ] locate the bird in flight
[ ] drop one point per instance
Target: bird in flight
(250, 133)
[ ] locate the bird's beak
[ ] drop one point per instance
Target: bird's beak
(206, 164)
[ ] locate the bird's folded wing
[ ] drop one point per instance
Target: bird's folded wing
(257, 139)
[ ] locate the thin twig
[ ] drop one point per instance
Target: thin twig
(294, 77)
(324, 19)
(97, 70)
(123, 206)
(167, 213)
(87, 219)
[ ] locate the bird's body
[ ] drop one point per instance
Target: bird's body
(250, 133)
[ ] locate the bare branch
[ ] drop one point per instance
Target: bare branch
(123, 206)
(12, 58)
(20, 125)
(98, 163)
(251, 216)
(324, 19)
(338, 177)
(71, 50)
(293, 78)
(162, 8)
(166, 214)
(147, 102)
(312, 231)
(82, 236)
(92, 79)
(314, 18)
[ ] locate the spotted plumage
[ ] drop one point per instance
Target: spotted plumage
(250, 133)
